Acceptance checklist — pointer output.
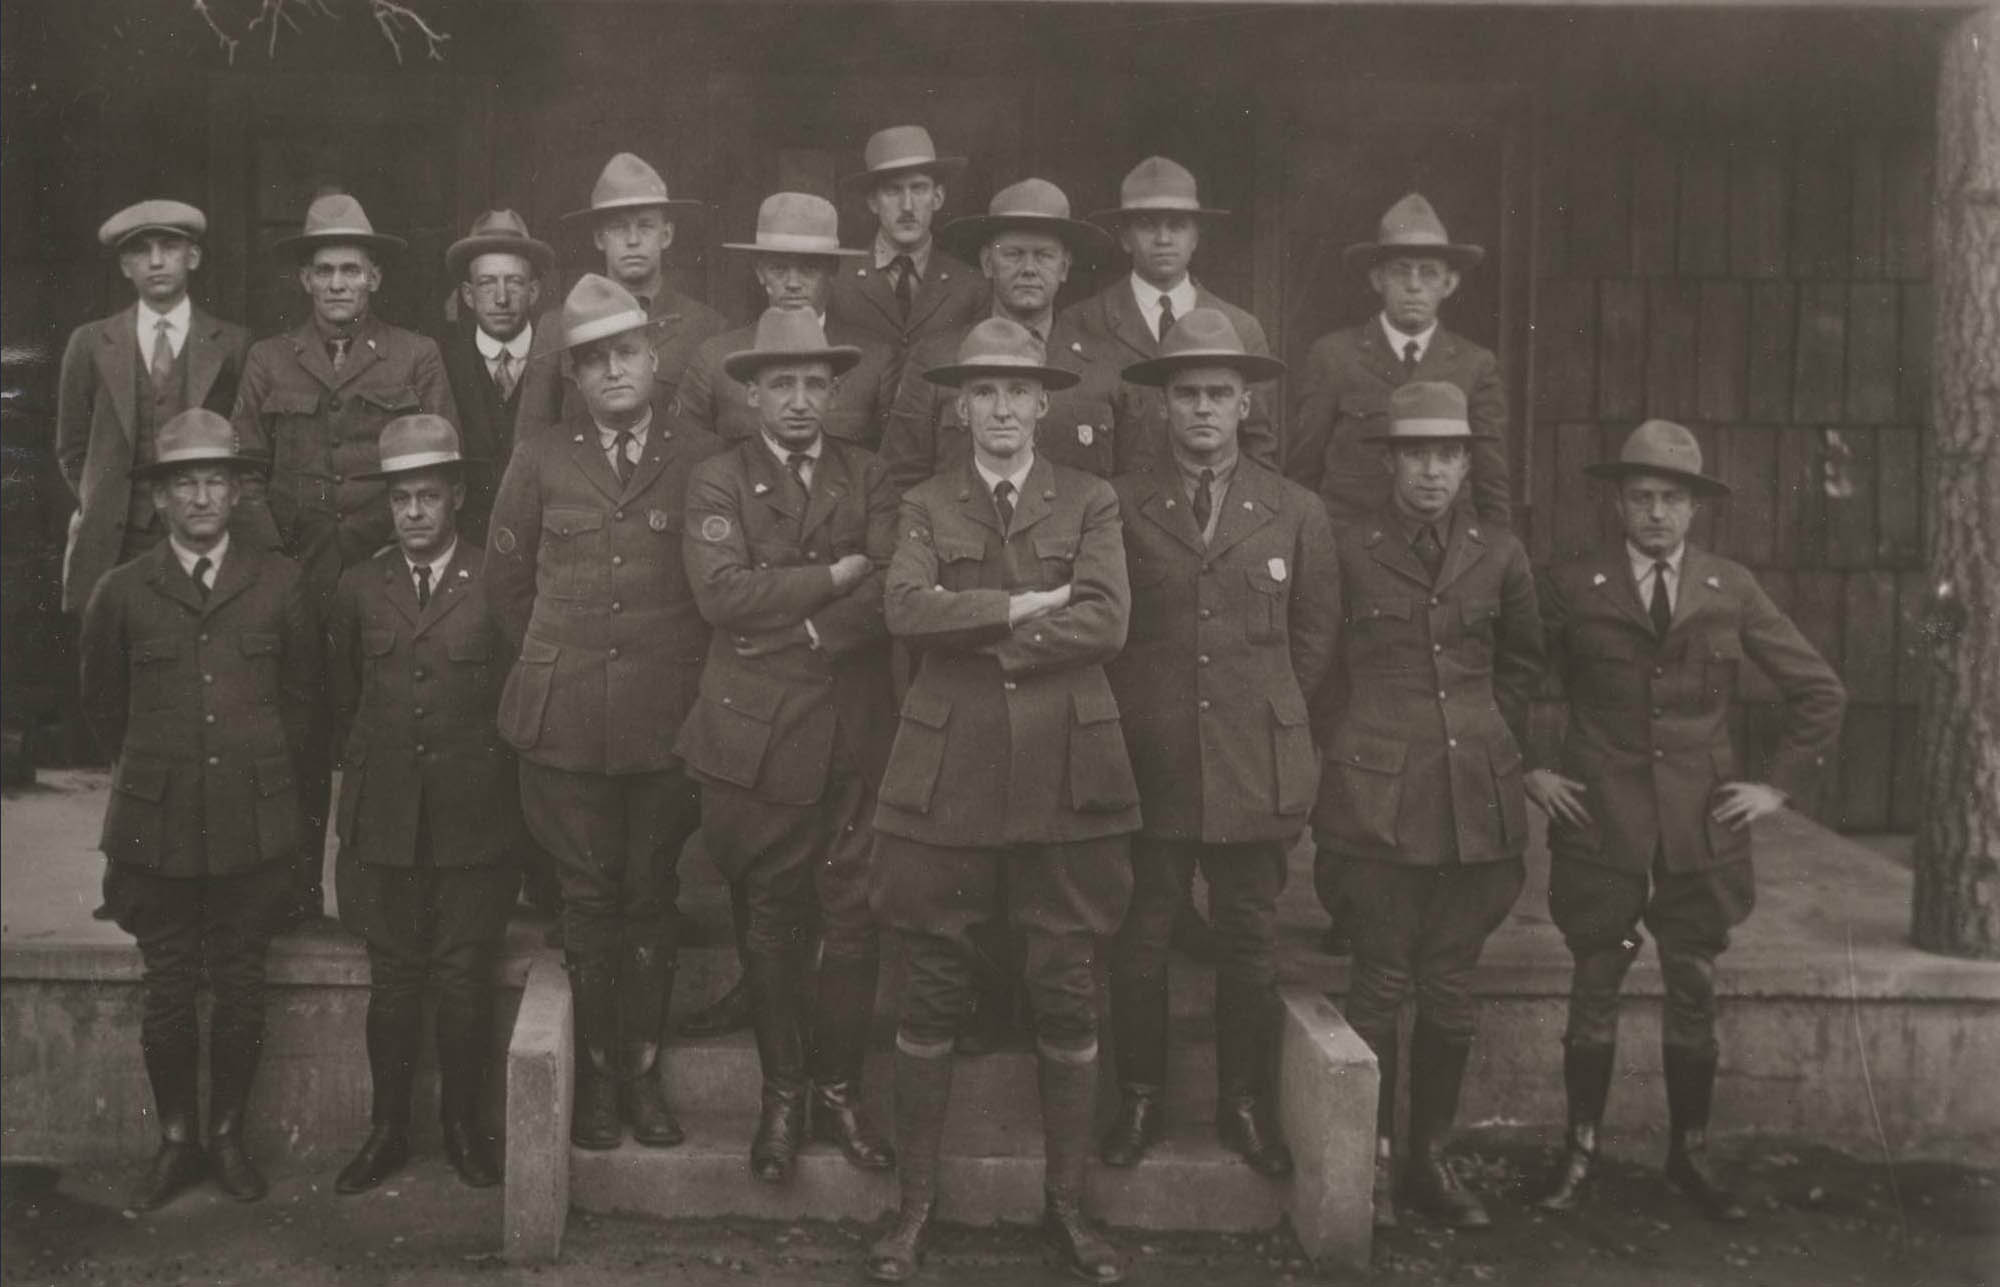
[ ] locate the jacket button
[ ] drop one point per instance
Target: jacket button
(208, 719)
(1440, 694)
(1202, 705)
(340, 478)
(419, 712)
(617, 606)
(618, 515)
(422, 673)
(618, 560)
(1451, 741)
(1437, 647)
(215, 759)
(333, 404)
(204, 636)
(420, 748)
(1201, 660)
(1435, 601)
(208, 679)
(1205, 614)
(1009, 685)
(1658, 671)
(1659, 755)
(1657, 712)
(613, 654)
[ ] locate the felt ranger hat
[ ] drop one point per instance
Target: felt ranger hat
(1412, 228)
(901, 149)
(336, 219)
(796, 223)
(598, 308)
(628, 183)
(1205, 337)
(174, 217)
(197, 436)
(1661, 447)
(1032, 205)
(499, 232)
(789, 335)
(1427, 411)
(412, 443)
(1156, 186)
(1001, 346)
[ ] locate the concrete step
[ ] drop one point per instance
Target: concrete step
(1187, 1182)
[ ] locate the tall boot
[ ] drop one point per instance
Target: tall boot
(1690, 1078)
(395, 1030)
(1587, 1085)
(645, 983)
(923, 1094)
(1069, 1097)
(232, 1066)
(839, 1048)
(1437, 1070)
(593, 985)
(174, 1069)
(774, 1013)
(729, 1012)
(1246, 1045)
(1139, 1030)
(1385, 1046)
(461, 1044)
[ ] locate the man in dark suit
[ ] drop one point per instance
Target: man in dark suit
(429, 820)
(1235, 615)
(586, 576)
(1009, 585)
(1649, 817)
(908, 287)
(1158, 222)
(313, 402)
(1421, 804)
(200, 661)
(788, 533)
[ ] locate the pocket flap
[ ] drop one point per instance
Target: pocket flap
(1372, 609)
(1056, 546)
(1363, 404)
(1481, 610)
(1288, 708)
(158, 648)
(570, 522)
(274, 775)
(378, 643)
(951, 550)
(257, 645)
(1094, 706)
(746, 696)
(929, 709)
(539, 652)
(281, 402)
(145, 779)
(1725, 645)
(1362, 751)
(403, 399)
(475, 648)
(1263, 582)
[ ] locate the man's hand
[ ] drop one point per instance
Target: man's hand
(763, 644)
(1557, 796)
(1034, 604)
(850, 569)
(1738, 804)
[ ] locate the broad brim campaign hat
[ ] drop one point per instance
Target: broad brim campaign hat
(901, 149)
(598, 308)
(1660, 447)
(336, 220)
(796, 223)
(499, 232)
(1426, 411)
(411, 444)
(1001, 346)
(1205, 337)
(1032, 205)
(628, 183)
(1410, 228)
(788, 335)
(196, 436)
(1157, 185)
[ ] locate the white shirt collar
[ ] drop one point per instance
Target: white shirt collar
(781, 451)
(1147, 296)
(1398, 340)
(489, 347)
(179, 318)
(887, 250)
(436, 565)
(607, 438)
(1018, 477)
(187, 557)
(1642, 567)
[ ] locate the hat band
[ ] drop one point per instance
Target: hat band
(339, 232)
(1003, 359)
(1430, 428)
(419, 460)
(902, 162)
(1415, 239)
(194, 455)
(796, 243)
(599, 327)
(1164, 203)
(620, 203)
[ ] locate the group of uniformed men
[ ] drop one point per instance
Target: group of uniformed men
(1129, 648)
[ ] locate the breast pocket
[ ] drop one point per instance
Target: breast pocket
(960, 562)
(572, 560)
(152, 684)
(1382, 635)
(1721, 653)
(261, 652)
(1476, 632)
(1055, 558)
(1265, 620)
(400, 400)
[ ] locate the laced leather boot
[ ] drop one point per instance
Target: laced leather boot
(923, 1094)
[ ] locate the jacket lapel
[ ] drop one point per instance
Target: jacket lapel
(1611, 576)
(1164, 506)
(1127, 323)
(1386, 545)
(873, 285)
(1693, 591)
(1251, 503)
(651, 461)
(1468, 546)
(590, 460)
(829, 485)
(1388, 366)
(400, 589)
(1037, 490)
(238, 571)
(310, 351)
(452, 589)
(361, 354)
(169, 580)
(204, 354)
(118, 365)
(976, 502)
(931, 291)
(772, 484)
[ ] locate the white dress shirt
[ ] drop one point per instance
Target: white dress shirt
(1018, 477)
(784, 454)
(436, 565)
(178, 319)
(517, 349)
(1643, 573)
(635, 451)
(187, 557)
(1400, 340)
(1147, 296)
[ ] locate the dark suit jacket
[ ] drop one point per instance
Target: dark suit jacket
(96, 418)
(951, 295)
(682, 323)
(486, 425)
(1111, 324)
(1228, 639)
(203, 708)
(1344, 395)
(1648, 727)
(711, 399)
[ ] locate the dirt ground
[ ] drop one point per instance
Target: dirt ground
(1819, 1219)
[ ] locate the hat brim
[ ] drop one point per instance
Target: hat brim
(745, 363)
(1115, 217)
(301, 244)
(466, 249)
(958, 374)
(965, 236)
(1253, 367)
(1614, 470)
(115, 247)
(565, 343)
(943, 167)
(1390, 438)
(804, 252)
(162, 468)
(682, 204)
(1366, 254)
(454, 462)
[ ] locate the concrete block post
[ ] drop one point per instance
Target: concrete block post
(540, 1070)
(1327, 1084)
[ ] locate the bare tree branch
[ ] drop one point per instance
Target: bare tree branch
(389, 15)
(394, 18)
(222, 37)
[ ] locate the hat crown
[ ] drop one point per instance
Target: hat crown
(194, 435)
(1427, 402)
(419, 441)
(1000, 341)
(1029, 199)
(1662, 444)
(598, 307)
(788, 331)
(627, 180)
(1412, 222)
(499, 223)
(337, 212)
(797, 223)
(152, 216)
(1203, 332)
(1159, 183)
(898, 146)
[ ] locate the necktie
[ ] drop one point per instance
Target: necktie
(1430, 551)
(1003, 500)
(621, 459)
(423, 585)
(1659, 609)
(336, 350)
(798, 462)
(905, 270)
(1410, 355)
(162, 367)
(201, 567)
(1204, 501)
(504, 375)
(1166, 317)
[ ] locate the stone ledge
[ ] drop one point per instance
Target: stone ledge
(1327, 1086)
(539, 1076)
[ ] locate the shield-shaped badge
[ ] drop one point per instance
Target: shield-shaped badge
(1085, 435)
(1278, 572)
(657, 519)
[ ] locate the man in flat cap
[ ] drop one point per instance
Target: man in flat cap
(429, 819)
(1158, 222)
(1008, 790)
(1235, 618)
(313, 402)
(586, 576)
(788, 534)
(1421, 803)
(632, 224)
(200, 662)
(1650, 813)
(907, 287)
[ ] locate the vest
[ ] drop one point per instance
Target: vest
(154, 408)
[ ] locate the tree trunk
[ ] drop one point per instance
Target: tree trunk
(1956, 906)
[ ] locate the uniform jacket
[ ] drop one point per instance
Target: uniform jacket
(414, 694)
(486, 424)
(1110, 321)
(97, 416)
(321, 429)
(757, 556)
(951, 296)
(1344, 395)
(1084, 428)
(1008, 736)
(1423, 763)
(1227, 642)
(587, 580)
(203, 709)
(711, 399)
(1648, 731)
(681, 324)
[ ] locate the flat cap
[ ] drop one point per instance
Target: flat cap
(176, 217)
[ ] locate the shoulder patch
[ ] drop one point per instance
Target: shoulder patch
(504, 540)
(715, 528)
